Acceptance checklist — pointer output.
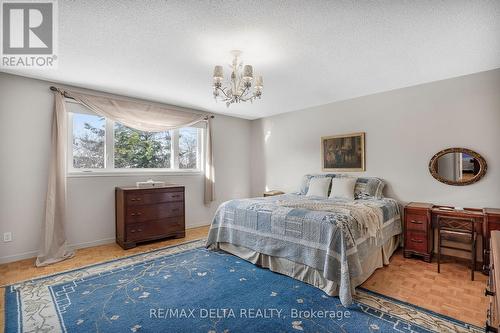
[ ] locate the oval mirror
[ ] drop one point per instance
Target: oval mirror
(457, 166)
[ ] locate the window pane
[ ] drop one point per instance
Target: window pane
(137, 149)
(188, 148)
(88, 141)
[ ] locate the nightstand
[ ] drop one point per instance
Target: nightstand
(273, 192)
(418, 230)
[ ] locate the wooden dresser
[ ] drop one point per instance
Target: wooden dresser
(145, 214)
(418, 233)
(493, 315)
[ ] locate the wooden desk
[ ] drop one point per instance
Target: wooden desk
(418, 225)
(467, 213)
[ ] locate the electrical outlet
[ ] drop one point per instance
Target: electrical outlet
(7, 236)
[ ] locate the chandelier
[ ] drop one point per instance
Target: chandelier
(239, 87)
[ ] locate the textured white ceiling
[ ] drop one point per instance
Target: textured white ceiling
(309, 52)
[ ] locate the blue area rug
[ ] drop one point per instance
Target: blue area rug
(187, 288)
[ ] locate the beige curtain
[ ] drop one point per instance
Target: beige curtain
(141, 116)
(53, 244)
(209, 166)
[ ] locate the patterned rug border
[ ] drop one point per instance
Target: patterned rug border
(419, 308)
(451, 320)
(42, 277)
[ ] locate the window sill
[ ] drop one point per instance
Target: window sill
(129, 173)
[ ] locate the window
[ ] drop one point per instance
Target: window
(188, 148)
(88, 141)
(99, 144)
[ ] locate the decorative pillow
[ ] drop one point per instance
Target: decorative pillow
(319, 187)
(343, 188)
(304, 186)
(367, 187)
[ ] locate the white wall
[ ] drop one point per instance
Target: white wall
(404, 129)
(25, 121)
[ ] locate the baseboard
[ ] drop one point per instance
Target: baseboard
(16, 257)
(33, 254)
(197, 225)
(92, 243)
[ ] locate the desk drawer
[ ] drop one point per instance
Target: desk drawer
(416, 241)
(418, 222)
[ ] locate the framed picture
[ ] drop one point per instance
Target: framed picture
(343, 152)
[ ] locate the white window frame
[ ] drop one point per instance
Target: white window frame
(110, 170)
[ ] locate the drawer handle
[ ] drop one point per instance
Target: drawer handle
(136, 199)
(416, 240)
(488, 292)
(416, 222)
(176, 196)
(136, 214)
(139, 230)
(132, 231)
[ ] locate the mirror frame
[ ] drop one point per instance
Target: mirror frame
(482, 166)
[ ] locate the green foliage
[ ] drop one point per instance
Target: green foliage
(137, 149)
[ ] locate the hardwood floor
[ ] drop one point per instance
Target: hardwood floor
(450, 293)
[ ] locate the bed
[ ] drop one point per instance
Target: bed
(333, 244)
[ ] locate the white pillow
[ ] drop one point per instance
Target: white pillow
(343, 188)
(319, 187)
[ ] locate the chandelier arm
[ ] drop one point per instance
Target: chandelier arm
(224, 92)
(244, 95)
(247, 99)
(245, 92)
(226, 97)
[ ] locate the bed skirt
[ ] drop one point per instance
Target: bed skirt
(308, 274)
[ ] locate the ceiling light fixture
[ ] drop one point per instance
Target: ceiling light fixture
(240, 83)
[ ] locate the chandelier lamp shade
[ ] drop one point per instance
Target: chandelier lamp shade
(239, 86)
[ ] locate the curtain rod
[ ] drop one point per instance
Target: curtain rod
(64, 94)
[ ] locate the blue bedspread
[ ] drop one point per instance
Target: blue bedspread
(296, 227)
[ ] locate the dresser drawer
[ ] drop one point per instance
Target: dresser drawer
(145, 198)
(416, 241)
(154, 229)
(416, 222)
(141, 213)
